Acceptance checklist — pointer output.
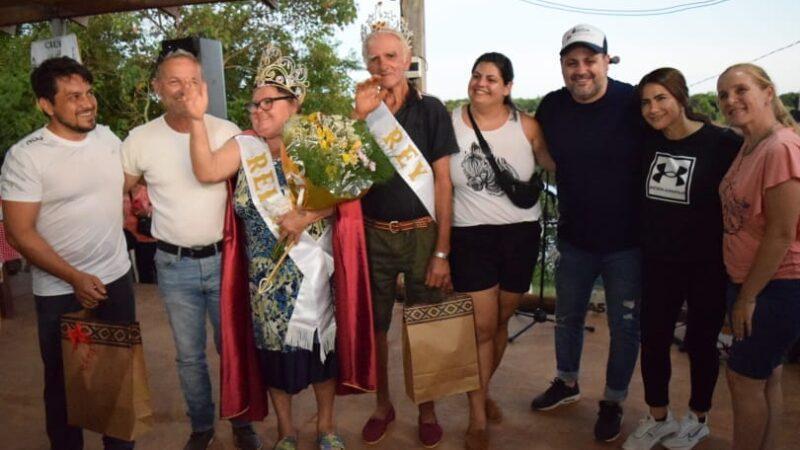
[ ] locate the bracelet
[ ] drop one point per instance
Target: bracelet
(440, 255)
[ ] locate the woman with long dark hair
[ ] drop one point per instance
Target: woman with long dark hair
(684, 160)
(761, 205)
(494, 243)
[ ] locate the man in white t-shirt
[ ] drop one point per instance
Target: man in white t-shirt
(62, 203)
(187, 222)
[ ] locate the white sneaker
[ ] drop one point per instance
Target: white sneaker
(651, 431)
(692, 431)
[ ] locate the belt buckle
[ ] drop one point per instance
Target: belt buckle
(195, 250)
(394, 226)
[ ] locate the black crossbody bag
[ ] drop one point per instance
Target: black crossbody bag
(523, 194)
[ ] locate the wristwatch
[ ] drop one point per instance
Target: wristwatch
(441, 255)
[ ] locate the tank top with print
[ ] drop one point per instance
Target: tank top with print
(477, 197)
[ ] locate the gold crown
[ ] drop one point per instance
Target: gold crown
(382, 20)
(277, 70)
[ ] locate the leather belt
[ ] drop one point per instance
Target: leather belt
(190, 252)
(396, 226)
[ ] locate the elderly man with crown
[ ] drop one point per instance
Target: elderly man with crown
(407, 220)
(279, 324)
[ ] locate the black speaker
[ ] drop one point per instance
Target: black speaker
(209, 53)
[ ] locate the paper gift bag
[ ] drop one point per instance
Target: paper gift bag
(105, 376)
(440, 353)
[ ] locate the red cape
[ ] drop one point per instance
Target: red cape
(243, 395)
(355, 336)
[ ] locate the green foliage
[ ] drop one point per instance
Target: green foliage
(527, 105)
(706, 104)
(120, 50)
(18, 110)
(790, 100)
(384, 171)
(453, 104)
(703, 103)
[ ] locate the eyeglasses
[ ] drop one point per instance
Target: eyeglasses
(265, 104)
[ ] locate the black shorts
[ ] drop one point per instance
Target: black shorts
(485, 255)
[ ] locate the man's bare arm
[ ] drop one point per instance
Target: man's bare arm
(20, 222)
(130, 182)
(438, 273)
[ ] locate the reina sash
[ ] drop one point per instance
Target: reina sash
(404, 155)
(313, 308)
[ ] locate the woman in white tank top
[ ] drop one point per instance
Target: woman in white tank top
(494, 243)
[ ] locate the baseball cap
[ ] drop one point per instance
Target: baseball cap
(586, 35)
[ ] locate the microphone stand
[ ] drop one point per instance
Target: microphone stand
(548, 221)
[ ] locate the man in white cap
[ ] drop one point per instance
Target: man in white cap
(594, 132)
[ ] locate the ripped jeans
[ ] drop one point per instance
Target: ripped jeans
(576, 272)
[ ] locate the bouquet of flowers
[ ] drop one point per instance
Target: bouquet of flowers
(329, 159)
(332, 159)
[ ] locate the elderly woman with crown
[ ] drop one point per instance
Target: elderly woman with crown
(408, 218)
(284, 338)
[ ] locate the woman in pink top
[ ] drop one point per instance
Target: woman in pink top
(761, 248)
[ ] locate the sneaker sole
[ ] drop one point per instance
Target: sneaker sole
(616, 436)
(562, 402)
(685, 447)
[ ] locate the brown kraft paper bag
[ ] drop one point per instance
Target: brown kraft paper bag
(105, 376)
(440, 353)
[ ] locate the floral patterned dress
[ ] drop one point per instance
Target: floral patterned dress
(288, 368)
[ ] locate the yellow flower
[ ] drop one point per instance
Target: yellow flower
(356, 145)
(330, 171)
(348, 158)
(329, 136)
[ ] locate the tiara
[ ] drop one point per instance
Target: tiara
(277, 70)
(381, 20)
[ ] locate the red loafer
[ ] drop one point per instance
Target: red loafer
(430, 434)
(375, 429)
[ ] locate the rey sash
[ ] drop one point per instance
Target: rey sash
(404, 155)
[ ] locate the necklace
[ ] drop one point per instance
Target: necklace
(748, 149)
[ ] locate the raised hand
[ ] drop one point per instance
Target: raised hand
(368, 97)
(195, 101)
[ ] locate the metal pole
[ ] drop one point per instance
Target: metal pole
(413, 11)
(58, 27)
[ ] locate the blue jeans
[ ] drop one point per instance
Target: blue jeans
(576, 272)
(190, 289)
(118, 307)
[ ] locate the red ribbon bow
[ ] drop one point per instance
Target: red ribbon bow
(77, 336)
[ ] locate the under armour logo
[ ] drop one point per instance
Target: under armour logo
(670, 178)
(680, 180)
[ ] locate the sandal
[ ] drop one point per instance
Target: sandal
(330, 441)
(287, 443)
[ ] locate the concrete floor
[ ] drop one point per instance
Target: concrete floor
(528, 366)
